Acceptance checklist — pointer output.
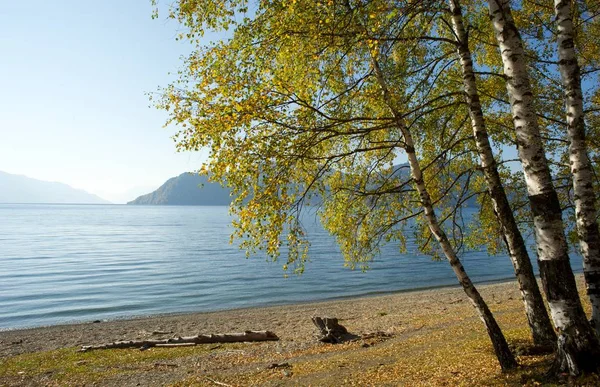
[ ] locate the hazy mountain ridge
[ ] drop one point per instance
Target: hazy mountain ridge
(187, 189)
(23, 189)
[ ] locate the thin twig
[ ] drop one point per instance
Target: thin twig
(217, 382)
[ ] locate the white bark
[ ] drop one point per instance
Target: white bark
(581, 169)
(537, 316)
(576, 338)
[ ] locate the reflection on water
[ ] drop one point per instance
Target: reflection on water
(66, 263)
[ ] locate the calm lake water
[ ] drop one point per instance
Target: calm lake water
(70, 263)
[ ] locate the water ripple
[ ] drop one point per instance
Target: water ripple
(67, 263)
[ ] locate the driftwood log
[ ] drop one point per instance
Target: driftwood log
(190, 340)
(331, 331)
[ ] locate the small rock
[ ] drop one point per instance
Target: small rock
(287, 373)
(96, 321)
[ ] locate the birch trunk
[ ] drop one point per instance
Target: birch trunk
(578, 346)
(501, 349)
(537, 316)
(581, 169)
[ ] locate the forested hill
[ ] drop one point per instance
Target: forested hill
(23, 189)
(187, 189)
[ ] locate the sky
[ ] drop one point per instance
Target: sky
(73, 106)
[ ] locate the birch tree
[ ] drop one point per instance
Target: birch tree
(542, 330)
(503, 353)
(306, 103)
(581, 169)
(578, 346)
(537, 22)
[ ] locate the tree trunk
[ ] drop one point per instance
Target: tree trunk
(578, 346)
(537, 316)
(581, 168)
(331, 331)
(503, 353)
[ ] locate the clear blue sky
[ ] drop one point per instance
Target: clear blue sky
(73, 76)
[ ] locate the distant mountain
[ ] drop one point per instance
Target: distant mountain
(195, 190)
(187, 189)
(23, 189)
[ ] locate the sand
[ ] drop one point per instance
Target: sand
(428, 337)
(289, 322)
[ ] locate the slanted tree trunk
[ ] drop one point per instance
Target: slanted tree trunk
(503, 353)
(537, 316)
(581, 168)
(578, 346)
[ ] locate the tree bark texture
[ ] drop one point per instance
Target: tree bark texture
(581, 168)
(537, 316)
(578, 346)
(200, 339)
(501, 349)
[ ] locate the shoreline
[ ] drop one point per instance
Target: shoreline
(372, 294)
(408, 338)
(245, 318)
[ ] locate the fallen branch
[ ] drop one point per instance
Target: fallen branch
(192, 340)
(217, 382)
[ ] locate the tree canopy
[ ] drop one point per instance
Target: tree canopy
(293, 114)
(291, 102)
(360, 109)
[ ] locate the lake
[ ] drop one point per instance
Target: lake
(73, 263)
